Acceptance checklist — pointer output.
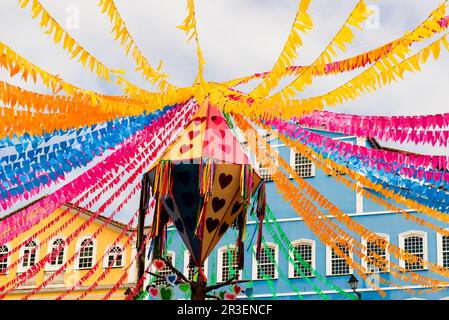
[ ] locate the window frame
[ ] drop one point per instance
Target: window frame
(185, 269)
(276, 259)
(329, 258)
(413, 233)
(106, 257)
(291, 268)
(94, 252)
(48, 266)
(8, 258)
(20, 267)
(220, 253)
(440, 260)
(386, 237)
(292, 165)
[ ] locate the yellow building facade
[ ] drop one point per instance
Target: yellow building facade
(92, 250)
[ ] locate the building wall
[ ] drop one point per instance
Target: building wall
(368, 213)
(71, 274)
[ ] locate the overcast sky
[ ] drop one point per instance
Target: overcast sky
(238, 37)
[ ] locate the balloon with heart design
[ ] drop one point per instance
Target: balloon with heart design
(154, 292)
(185, 148)
(225, 203)
(203, 200)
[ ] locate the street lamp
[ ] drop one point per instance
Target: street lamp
(353, 282)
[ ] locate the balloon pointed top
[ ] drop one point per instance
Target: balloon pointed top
(207, 136)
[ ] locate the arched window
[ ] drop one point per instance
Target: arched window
(58, 251)
(166, 270)
(304, 249)
(374, 248)
(337, 265)
(266, 266)
(29, 254)
(227, 263)
(189, 268)
(86, 255)
(443, 249)
(115, 257)
(414, 242)
(4, 258)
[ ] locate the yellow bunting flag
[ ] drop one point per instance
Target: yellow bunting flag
(189, 27)
(301, 24)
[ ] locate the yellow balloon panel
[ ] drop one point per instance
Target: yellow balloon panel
(225, 185)
(189, 144)
(220, 221)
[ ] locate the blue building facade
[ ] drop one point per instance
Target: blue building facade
(282, 279)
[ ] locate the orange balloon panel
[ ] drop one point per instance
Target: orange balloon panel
(189, 144)
(224, 205)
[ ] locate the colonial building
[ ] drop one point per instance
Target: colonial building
(90, 250)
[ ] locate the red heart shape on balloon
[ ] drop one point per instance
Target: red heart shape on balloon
(186, 147)
(237, 289)
(159, 264)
